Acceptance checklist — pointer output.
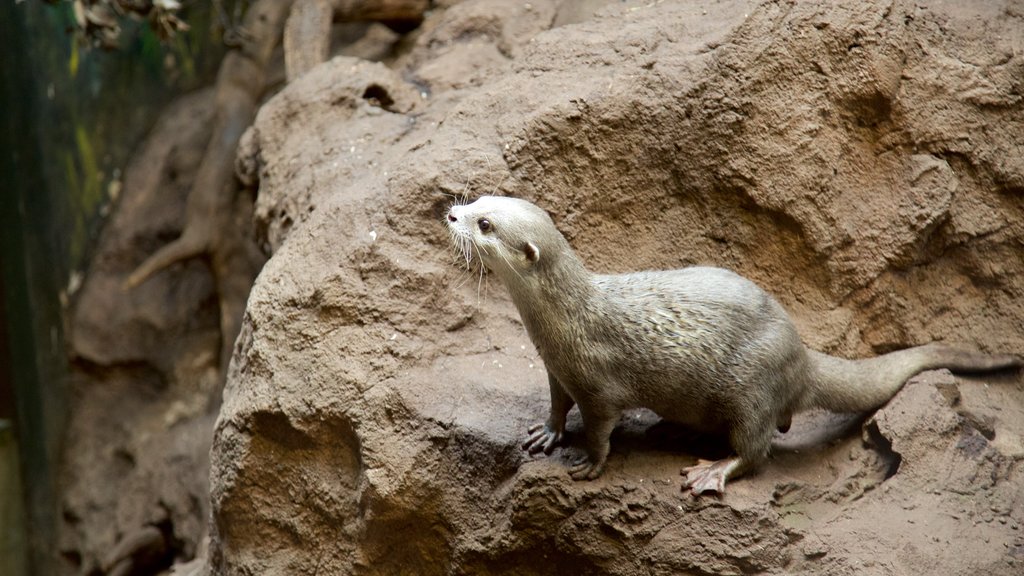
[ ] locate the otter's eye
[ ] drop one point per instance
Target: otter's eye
(484, 224)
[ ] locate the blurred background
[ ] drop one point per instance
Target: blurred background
(73, 106)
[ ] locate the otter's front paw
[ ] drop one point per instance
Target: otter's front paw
(542, 437)
(584, 469)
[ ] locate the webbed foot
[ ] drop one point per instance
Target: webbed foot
(584, 469)
(542, 438)
(708, 476)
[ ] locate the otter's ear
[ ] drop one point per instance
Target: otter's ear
(531, 251)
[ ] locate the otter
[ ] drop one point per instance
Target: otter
(700, 346)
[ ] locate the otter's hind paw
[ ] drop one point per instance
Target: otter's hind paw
(542, 437)
(706, 476)
(584, 469)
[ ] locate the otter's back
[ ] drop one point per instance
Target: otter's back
(697, 302)
(697, 338)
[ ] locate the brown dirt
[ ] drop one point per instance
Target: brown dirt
(861, 161)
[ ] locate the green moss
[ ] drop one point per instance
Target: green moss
(87, 194)
(73, 60)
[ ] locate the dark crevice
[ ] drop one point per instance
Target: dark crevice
(378, 96)
(148, 550)
(883, 446)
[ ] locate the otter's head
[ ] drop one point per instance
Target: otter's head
(511, 237)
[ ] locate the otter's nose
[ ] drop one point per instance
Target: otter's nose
(451, 217)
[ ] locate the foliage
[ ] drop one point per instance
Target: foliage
(100, 20)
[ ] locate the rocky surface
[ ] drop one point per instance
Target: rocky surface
(145, 382)
(861, 161)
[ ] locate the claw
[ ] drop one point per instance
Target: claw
(584, 469)
(541, 439)
(708, 476)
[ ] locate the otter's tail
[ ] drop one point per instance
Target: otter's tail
(861, 385)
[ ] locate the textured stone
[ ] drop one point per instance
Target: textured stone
(861, 161)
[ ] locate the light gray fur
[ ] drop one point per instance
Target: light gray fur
(701, 346)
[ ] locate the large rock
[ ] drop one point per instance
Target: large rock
(862, 161)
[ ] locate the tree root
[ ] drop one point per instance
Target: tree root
(210, 228)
